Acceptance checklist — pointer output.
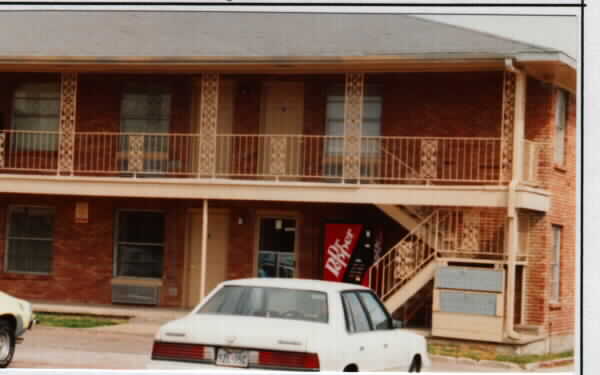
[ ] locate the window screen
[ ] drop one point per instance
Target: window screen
(560, 127)
(30, 234)
(140, 244)
(555, 265)
(36, 114)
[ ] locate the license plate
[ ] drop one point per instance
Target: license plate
(233, 358)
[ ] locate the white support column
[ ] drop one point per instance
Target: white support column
(515, 112)
(204, 250)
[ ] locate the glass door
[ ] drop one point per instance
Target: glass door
(276, 247)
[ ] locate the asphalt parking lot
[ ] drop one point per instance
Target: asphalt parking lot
(127, 347)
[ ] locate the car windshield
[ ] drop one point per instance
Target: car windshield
(269, 303)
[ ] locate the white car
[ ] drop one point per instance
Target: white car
(288, 324)
(16, 317)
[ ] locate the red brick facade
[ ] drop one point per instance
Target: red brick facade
(414, 104)
(83, 253)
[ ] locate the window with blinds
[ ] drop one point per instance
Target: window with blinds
(555, 265)
(36, 114)
(560, 127)
(30, 239)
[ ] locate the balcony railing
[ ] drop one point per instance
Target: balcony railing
(533, 156)
(384, 160)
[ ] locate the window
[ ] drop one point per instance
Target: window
(29, 243)
(146, 108)
(140, 244)
(356, 317)
(560, 127)
(277, 241)
(379, 317)
(36, 113)
(555, 265)
(268, 302)
(371, 126)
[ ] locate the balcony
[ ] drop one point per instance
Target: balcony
(385, 160)
(430, 170)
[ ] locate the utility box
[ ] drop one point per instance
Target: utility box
(468, 303)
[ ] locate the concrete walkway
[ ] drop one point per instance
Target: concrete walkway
(142, 321)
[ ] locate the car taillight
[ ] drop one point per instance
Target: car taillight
(291, 360)
(181, 351)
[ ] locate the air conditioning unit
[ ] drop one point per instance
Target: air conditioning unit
(135, 294)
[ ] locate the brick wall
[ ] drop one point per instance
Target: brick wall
(83, 253)
(556, 318)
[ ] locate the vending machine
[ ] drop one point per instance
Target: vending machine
(349, 251)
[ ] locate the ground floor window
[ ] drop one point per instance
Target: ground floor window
(555, 264)
(30, 239)
(276, 247)
(140, 242)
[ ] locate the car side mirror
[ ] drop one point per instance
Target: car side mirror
(397, 324)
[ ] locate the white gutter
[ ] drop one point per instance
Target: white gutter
(513, 224)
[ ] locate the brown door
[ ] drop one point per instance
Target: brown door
(283, 115)
(217, 248)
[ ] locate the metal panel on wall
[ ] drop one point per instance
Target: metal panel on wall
(469, 279)
(468, 303)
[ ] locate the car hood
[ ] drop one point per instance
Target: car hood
(241, 331)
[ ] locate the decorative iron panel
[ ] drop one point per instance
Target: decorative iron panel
(429, 159)
(353, 108)
(209, 110)
(470, 230)
(508, 123)
(135, 153)
(2, 139)
(68, 107)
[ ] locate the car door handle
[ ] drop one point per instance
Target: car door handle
(385, 346)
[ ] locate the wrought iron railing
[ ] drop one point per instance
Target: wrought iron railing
(463, 234)
(384, 160)
(534, 154)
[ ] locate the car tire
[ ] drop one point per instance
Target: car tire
(7, 343)
(415, 365)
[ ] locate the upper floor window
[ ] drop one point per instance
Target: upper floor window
(145, 109)
(30, 239)
(371, 124)
(560, 120)
(36, 114)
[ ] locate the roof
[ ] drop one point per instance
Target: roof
(205, 34)
(308, 284)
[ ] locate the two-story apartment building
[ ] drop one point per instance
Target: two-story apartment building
(147, 156)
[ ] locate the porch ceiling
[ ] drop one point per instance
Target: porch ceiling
(473, 196)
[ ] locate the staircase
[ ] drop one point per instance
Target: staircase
(409, 265)
(451, 233)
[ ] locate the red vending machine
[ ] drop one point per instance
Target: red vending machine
(350, 249)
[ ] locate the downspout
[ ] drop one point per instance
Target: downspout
(513, 223)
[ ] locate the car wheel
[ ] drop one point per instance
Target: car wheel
(415, 365)
(7, 343)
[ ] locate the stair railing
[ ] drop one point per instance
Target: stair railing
(403, 261)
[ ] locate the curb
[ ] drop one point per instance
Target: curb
(501, 364)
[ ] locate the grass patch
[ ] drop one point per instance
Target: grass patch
(451, 350)
(75, 321)
(531, 358)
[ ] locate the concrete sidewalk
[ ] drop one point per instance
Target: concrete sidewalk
(141, 320)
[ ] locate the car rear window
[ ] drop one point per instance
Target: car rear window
(280, 303)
